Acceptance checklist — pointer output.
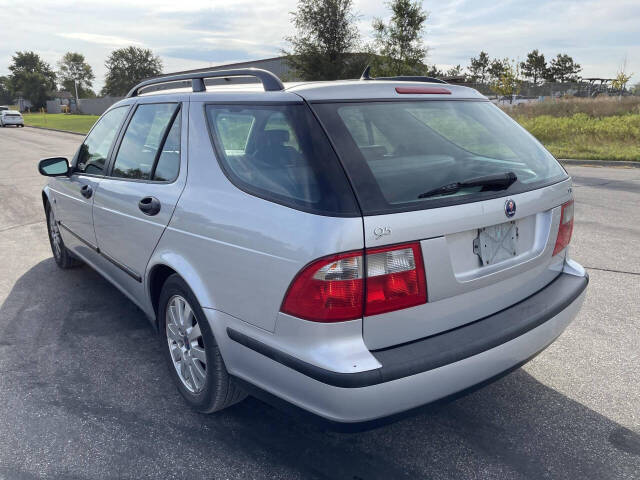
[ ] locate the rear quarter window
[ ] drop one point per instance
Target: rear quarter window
(280, 153)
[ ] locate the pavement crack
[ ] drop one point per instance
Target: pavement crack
(612, 270)
(12, 227)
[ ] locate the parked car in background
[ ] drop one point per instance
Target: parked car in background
(3, 107)
(357, 248)
(11, 117)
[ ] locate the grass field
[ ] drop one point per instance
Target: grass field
(61, 121)
(605, 128)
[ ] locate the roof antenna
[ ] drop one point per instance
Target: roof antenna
(365, 75)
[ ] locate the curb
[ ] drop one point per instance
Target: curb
(56, 130)
(599, 163)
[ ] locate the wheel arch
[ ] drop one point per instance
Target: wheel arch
(45, 197)
(165, 264)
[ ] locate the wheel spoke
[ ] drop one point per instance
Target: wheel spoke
(198, 353)
(176, 353)
(172, 332)
(173, 314)
(198, 374)
(187, 316)
(194, 333)
(184, 369)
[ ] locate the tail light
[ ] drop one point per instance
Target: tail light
(336, 288)
(566, 227)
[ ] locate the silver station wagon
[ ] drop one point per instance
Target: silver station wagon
(355, 248)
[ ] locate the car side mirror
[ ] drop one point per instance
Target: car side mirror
(54, 167)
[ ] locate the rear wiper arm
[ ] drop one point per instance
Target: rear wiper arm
(500, 181)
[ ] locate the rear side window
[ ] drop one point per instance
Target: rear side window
(95, 149)
(142, 150)
(280, 153)
(397, 153)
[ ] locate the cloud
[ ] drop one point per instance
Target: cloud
(197, 33)
(108, 40)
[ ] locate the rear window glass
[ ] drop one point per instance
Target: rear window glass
(280, 153)
(397, 151)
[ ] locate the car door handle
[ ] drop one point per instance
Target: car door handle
(149, 205)
(86, 191)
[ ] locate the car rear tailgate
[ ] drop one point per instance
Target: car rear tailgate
(460, 288)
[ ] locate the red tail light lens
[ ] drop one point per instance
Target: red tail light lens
(328, 290)
(566, 227)
(332, 289)
(395, 278)
(423, 90)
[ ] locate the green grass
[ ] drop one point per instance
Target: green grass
(581, 136)
(61, 121)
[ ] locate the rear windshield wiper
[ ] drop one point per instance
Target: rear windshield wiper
(500, 181)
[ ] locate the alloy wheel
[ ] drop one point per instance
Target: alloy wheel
(186, 344)
(56, 239)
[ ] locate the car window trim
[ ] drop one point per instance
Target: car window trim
(163, 140)
(123, 131)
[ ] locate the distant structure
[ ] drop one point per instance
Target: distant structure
(276, 65)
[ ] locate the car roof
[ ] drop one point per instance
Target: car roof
(232, 85)
(339, 90)
(11, 111)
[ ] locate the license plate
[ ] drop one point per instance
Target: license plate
(496, 243)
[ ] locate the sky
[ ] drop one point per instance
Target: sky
(600, 35)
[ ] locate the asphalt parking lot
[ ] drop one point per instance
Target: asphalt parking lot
(85, 393)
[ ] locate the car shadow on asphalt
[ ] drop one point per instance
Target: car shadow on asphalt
(95, 384)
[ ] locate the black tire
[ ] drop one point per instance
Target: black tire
(62, 256)
(219, 391)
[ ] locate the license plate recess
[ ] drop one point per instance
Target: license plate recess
(496, 243)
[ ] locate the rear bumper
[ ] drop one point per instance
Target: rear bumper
(419, 372)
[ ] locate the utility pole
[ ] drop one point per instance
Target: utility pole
(75, 84)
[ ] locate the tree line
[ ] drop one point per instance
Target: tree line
(34, 79)
(327, 45)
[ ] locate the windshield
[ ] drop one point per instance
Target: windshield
(396, 151)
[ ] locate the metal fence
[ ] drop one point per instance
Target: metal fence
(550, 89)
(97, 106)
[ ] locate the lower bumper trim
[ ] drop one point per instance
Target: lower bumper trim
(444, 348)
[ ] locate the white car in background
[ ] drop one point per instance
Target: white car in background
(11, 117)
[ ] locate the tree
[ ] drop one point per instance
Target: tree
(5, 91)
(399, 44)
(636, 89)
(478, 67)
(128, 66)
(31, 77)
(434, 71)
(325, 37)
(535, 66)
(563, 69)
(620, 82)
(454, 71)
(497, 69)
(508, 82)
(73, 68)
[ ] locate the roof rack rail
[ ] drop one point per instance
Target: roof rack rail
(270, 82)
(403, 78)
